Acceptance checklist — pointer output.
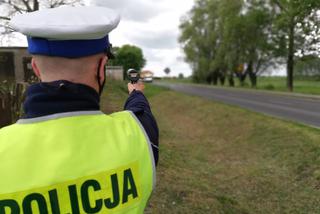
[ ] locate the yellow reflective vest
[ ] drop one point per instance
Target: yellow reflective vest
(80, 162)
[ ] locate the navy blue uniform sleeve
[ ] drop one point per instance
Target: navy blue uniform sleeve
(139, 105)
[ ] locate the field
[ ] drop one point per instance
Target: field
(301, 85)
(216, 158)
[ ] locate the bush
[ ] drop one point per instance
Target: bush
(269, 87)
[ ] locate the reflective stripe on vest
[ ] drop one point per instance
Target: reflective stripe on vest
(82, 162)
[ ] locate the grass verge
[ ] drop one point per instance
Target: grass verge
(216, 158)
(303, 86)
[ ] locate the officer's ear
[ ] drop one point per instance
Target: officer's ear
(36, 70)
(102, 69)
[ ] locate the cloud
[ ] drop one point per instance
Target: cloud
(158, 40)
(138, 10)
(158, 59)
(152, 55)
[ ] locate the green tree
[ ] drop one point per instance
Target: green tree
(129, 56)
(257, 48)
(167, 70)
(292, 26)
(197, 40)
(229, 46)
(220, 35)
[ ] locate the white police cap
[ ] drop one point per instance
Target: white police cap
(67, 31)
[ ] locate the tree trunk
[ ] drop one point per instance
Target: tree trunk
(222, 78)
(290, 62)
(253, 80)
(252, 75)
(231, 80)
(209, 79)
(35, 5)
(215, 76)
(242, 78)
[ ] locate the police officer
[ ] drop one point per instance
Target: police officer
(65, 155)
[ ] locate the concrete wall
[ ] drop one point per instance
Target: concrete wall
(114, 72)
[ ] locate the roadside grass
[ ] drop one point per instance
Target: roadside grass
(304, 86)
(216, 158)
(301, 85)
(114, 96)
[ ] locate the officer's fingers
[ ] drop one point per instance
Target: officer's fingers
(142, 86)
(139, 86)
(130, 88)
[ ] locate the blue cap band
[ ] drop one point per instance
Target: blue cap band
(67, 48)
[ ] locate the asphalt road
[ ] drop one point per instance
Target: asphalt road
(302, 109)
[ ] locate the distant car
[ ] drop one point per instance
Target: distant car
(147, 76)
(148, 79)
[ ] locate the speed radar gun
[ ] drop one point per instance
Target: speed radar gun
(133, 76)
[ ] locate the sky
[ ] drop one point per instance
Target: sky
(152, 25)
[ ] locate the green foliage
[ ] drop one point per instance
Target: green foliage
(129, 56)
(308, 66)
(219, 36)
(228, 33)
(269, 87)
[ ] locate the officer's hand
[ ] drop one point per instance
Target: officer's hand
(138, 87)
